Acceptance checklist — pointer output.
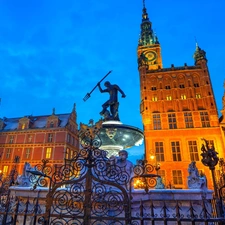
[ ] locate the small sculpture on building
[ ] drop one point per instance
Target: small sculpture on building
(112, 103)
(195, 181)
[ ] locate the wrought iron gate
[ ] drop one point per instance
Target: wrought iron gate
(90, 189)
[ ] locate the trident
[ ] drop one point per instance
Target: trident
(88, 95)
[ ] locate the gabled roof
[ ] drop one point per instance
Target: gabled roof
(36, 122)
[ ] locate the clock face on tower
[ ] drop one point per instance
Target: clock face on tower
(150, 55)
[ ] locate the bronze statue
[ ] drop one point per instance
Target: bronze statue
(209, 155)
(112, 103)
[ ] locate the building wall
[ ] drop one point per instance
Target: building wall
(32, 144)
(178, 110)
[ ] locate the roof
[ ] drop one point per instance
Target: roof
(37, 122)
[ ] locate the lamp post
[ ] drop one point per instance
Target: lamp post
(157, 165)
(210, 159)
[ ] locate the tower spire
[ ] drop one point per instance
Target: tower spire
(147, 36)
(199, 53)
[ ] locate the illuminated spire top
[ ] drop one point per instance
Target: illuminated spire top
(147, 36)
(199, 54)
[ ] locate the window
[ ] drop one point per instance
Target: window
(153, 88)
(168, 97)
(167, 87)
(50, 137)
(23, 126)
(162, 173)
(68, 138)
(177, 177)
(196, 84)
(67, 153)
(183, 97)
(181, 85)
(5, 169)
(71, 154)
(172, 121)
(157, 122)
(198, 96)
(11, 139)
(154, 99)
(8, 153)
(159, 151)
(27, 153)
(48, 153)
(176, 154)
(205, 119)
(188, 120)
(51, 124)
(72, 140)
(30, 138)
(193, 150)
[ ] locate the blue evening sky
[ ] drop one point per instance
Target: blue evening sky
(53, 52)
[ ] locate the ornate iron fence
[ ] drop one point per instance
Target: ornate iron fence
(90, 189)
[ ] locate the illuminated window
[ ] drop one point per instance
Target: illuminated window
(183, 97)
(154, 99)
(11, 139)
(177, 177)
(168, 97)
(198, 96)
(48, 153)
(8, 153)
(71, 154)
(23, 126)
(188, 120)
(172, 121)
(27, 153)
(176, 154)
(29, 138)
(159, 151)
(193, 150)
(5, 169)
(67, 153)
(157, 122)
(205, 119)
(50, 137)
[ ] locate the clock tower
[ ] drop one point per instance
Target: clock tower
(178, 110)
(149, 51)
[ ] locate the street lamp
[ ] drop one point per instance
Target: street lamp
(157, 165)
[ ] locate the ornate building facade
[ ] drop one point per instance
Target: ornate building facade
(33, 138)
(178, 110)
